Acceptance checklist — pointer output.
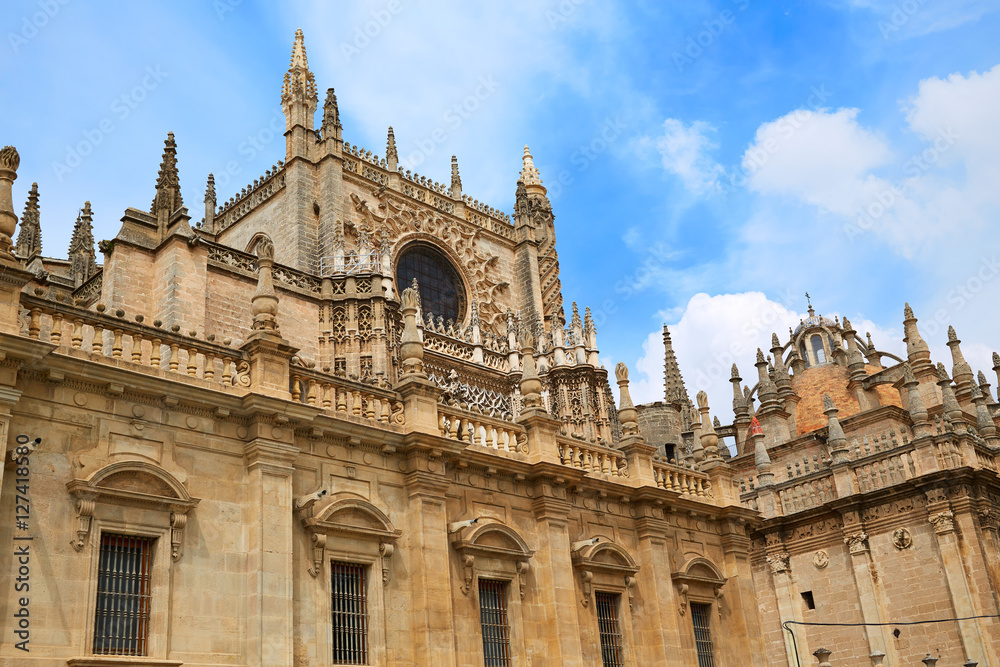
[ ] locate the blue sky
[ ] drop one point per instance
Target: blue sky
(707, 161)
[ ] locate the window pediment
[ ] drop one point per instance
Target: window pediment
(607, 559)
(350, 517)
(700, 579)
(492, 540)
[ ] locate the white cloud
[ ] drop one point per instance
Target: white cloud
(821, 157)
(684, 152)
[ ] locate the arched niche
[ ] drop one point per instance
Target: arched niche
(605, 564)
(137, 484)
(699, 579)
(503, 547)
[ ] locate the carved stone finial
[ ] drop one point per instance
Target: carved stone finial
(411, 350)
(760, 357)
(529, 173)
(531, 386)
(391, 156)
(456, 180)
(264, 304)
(9, 162)
(735, 373)
(626, 411)
(81, 247)
(775, 343)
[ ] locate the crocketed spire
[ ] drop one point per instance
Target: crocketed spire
(299, 81)
(529, 174)
(456, 180)
(81, 247)
(391, 156)
(29, 239)
(673, 382)
(168, 187)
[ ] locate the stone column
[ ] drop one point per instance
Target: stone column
(555, 639)
(431, 574)
(739, 594)
(788, 610)
(269, 524)
(657, 624)
(970, 631)
(873, 603)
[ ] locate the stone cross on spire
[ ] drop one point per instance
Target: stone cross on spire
(29, 239)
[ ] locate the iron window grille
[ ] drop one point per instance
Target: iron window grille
(700, 615)
(350, 614)
(121, 619)
(493, 620)
(612, 653)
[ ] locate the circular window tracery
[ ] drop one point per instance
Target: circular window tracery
(442, 292)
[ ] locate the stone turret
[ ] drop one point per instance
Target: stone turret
(81, 247)
(917, 352)
(949, 405)
(332, 129)
(29, 239)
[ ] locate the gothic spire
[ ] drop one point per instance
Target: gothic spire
(391, 156)
(299, 97)
(456, 180)
(168, 187)
(210, 204)
(917, 352)
(331, 115)
(29, 240)
(673, 382)
(961, 370)
(81, 247)
(529, 174)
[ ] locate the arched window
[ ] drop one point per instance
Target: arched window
(817, 345)
(803, 354)
(441, 291)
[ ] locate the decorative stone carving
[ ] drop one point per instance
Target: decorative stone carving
(857, 543)
(943, 522)
(778, 562)
(901, 538)
(821, 559)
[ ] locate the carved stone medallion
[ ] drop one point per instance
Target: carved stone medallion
(902, 539)
(821, 559)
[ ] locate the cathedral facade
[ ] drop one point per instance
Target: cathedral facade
(343, 419)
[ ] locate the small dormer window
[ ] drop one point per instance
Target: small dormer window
(818, 351)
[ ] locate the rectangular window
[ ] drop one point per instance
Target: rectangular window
(350, 614)
(121, 622)
(700, 616)
(609, 628)
(493, 619)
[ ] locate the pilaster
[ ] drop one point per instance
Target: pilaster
(269, 521)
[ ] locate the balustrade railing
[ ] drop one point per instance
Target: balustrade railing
(592, 458)
(682, 480)
(481, 431)
(806, 494)
(345, 397)
(879, 472)
(117, 339)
